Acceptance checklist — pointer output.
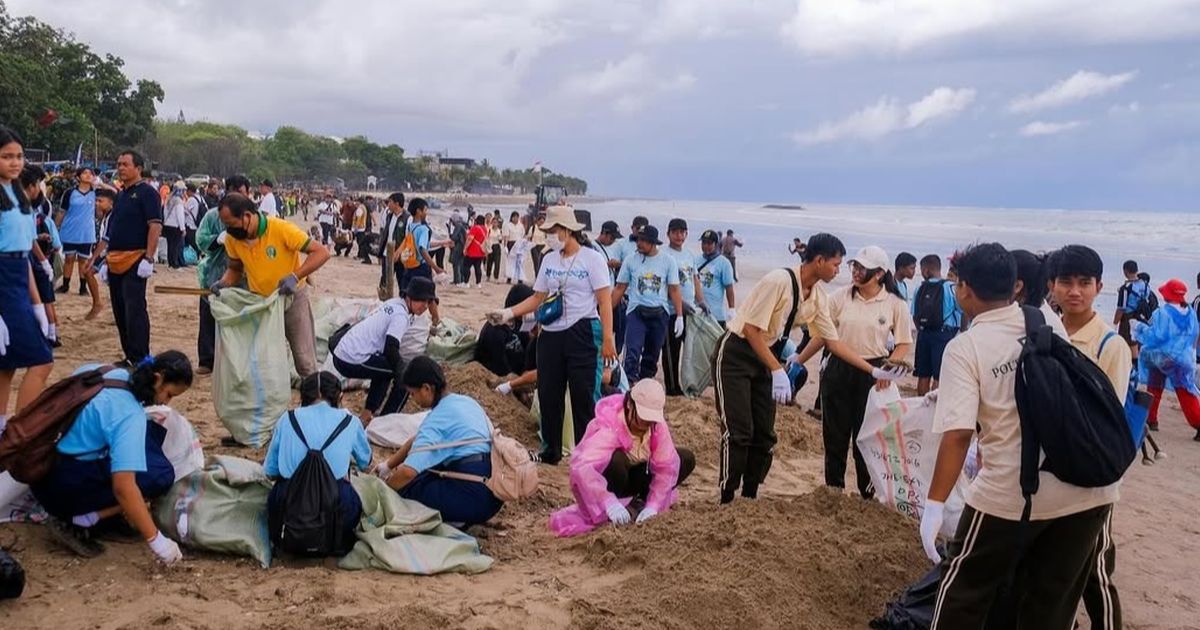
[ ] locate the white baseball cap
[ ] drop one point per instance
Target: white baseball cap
(873, 257)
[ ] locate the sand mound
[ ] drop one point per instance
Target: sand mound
(506, 412)
(822, 560)
(695, 425)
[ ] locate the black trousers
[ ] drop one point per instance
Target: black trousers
(475, 264)
(535, 254)
(384, 382)
(174, 238)
(671, 359)
(326, 233)
(747, 412)
(1100, 598)
(493, 262)
(1051, 569)
(207, 339)
(364, 246)
(568, 360)
(844, 390)
(128, 295)
(633, 480)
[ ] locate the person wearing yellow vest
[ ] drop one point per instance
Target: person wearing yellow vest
(266, 250)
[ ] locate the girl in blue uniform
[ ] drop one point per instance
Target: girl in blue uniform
(23, 323)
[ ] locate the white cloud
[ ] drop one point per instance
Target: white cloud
(1040, 128)
(1129, 108)
(628, 83)
(849, 27)
(1079, 86)
(888, 116)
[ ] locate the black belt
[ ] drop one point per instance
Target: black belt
(14, 254)
(469, 459)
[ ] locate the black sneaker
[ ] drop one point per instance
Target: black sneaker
(73, 537)
(83, 290)
(750, 491)
(65, 288)
(545, 457)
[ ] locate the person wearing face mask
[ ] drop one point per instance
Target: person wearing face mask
(210, 241)
(454, 437)
(747, 375)
(573, 302)
(865, 313)
(655, 294)
(266, 251)
(110, 462)
(626, 467)
(371, 348)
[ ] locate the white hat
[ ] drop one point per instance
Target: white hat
(561, 215)
(872, 257)
(650, 398)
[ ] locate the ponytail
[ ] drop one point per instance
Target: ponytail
(889, 283)
(174, 367)
(422, 371)
(320, 386)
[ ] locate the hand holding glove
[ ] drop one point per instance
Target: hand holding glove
(931, 524)
(215, 288)
(145, 269)
(382, 470)
(497, 318)
(102, 274)
(889, 373)
(781, 386)
(48, 269)
(3, 337)
(504, 388)
(288, 285)
(39, 313)
(678, 327)
(730, 313)
(165, 549)
(221, 238)
(646, 514)
(617, 514)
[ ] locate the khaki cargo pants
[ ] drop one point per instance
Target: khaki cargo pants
(299, 330)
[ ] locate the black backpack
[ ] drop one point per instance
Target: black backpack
(312, 522)
(1068, 411)
(1146, 307)
(929, 303)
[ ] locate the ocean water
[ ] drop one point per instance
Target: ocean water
(1165, 244)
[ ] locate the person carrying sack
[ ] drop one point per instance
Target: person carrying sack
(455, 437)
(312, 508)
(654, 297)
(747, 375)
(573, 303)
(370, 349)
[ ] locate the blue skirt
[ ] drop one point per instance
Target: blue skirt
(27, 346)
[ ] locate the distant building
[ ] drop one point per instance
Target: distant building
(456, 164)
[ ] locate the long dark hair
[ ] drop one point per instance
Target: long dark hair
(320, 386)
(423, 370)
(1032, 274)
(174, 367)
(7, 137)
(887, 281)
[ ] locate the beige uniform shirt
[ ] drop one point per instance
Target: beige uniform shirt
(770, 302)
(978, 386)
(865, 325)
(1114, 360)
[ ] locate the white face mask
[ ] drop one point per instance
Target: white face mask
(553, 242)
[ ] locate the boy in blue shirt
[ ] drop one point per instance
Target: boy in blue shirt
(689, 288)
(1129, 302)
(318, 418)
(655, 280)
(76, 218)
(715, 274)
(936, 329)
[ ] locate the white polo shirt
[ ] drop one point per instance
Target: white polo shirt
(368, 337)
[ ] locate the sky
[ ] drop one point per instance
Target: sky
(1010, 103)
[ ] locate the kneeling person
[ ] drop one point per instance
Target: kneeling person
(320, 421)
(371, 349)
(455, 438)
(111, 461)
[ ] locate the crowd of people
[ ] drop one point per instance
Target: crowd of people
(591, 331)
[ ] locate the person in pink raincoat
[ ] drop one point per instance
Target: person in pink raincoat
(626, 459)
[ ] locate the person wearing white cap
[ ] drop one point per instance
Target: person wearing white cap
(865, 313)
(627, 466)
(174, 223)
(572, 300)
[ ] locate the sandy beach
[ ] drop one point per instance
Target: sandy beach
(801, 556)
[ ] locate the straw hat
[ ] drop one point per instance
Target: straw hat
(561, 215)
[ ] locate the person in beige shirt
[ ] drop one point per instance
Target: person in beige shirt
(977, 389)
(865, 313)
(1075, 274)
(747, 374)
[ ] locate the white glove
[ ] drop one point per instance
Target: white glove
(793, 359)
(617, 514)
(497, 318)
(646, 514)
(932, 396)
(39, 313)
(48, 269)
(971, 466)
(887, 374)
(730, 313)
(145, 269)
(221, 238)
(3, 337)
(382, 470)
(678, 327)
(781, 386)
(441, 278)
(931, 524)
(165, 549)
(504, 388)
(102, 274)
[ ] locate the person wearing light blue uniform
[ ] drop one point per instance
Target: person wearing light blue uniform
(933, 333)
(715, 274)
(689, 288)
(320, 419)
(23, 322)
(611, 245)
(650, 280)
(456, 437)
(110, 461)
(76, 218)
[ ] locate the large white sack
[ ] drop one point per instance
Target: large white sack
(182, 444)
(899, 446)
(394, 429)
(251, 376)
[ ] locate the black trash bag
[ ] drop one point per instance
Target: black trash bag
(912, 609)
(12, 576)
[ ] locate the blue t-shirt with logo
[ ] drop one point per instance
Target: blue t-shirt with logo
(715, 277)
(454, 418)
(687, 272)
(79, 218)
(647, 278)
